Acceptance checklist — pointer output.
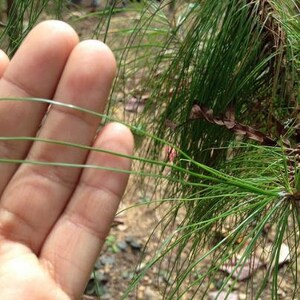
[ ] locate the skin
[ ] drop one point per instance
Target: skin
(54, 220)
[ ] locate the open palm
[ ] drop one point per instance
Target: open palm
(53, 220)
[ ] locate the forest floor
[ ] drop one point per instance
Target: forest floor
(122, 255)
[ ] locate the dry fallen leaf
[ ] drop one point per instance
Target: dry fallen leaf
(170, 124)
(135, 104)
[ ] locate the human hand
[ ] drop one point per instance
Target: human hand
(54, 220)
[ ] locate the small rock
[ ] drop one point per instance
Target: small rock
(219, 284)
(127, 275)
(140, 292)
(106, 297)
(90, 287)
(217, 295)
(281, 293)
(141, 266)
(122, 227)
(133, 243)
(150, 294)
(87, 297)
(98, 264)
(147, 280)
(101, 276)
(284, 254)
(122, 245)
(244, 271)
(107, 259)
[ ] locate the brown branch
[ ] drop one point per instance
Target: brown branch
(228, 121)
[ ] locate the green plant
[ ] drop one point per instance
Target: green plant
(223, 85)
(227, 95)
(111, 243)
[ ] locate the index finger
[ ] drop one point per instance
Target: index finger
(34, 71)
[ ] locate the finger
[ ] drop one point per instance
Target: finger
(4, 61)
(74, 243)
(33, 72)
(37, 195)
